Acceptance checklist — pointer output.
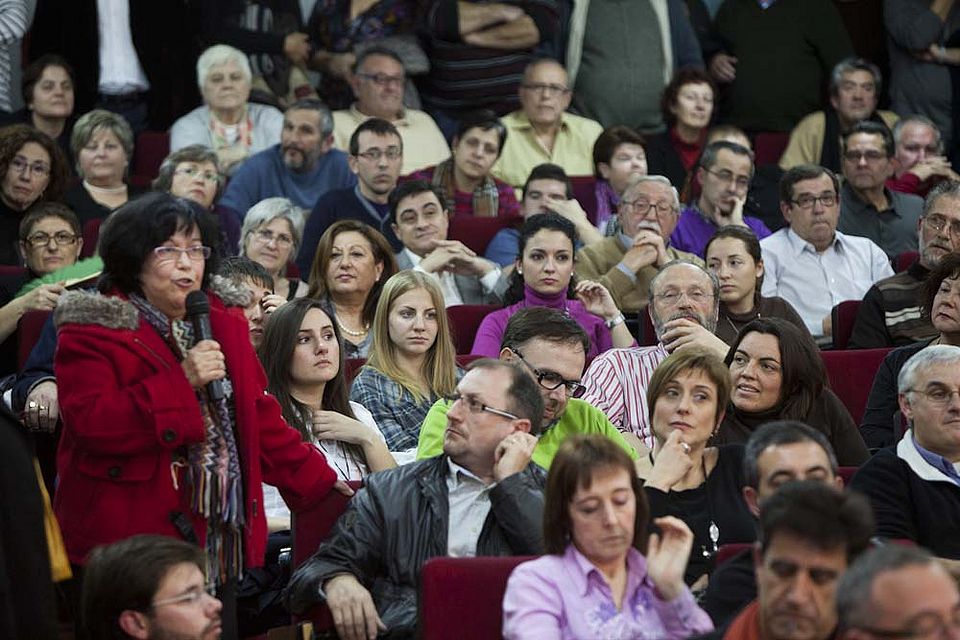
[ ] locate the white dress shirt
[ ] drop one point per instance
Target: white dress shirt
(448, 283)
(120, 69)
(468, 499)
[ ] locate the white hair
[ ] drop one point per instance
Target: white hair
(269, 209)
(927, 357)
(220, 54)
(638, 180)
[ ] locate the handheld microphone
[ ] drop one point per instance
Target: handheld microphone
(198, 311)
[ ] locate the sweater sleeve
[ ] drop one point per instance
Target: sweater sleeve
(686, 47)
(883, 480)
(911, 25)
(13, 21)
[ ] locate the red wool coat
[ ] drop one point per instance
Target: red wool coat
(128, 411)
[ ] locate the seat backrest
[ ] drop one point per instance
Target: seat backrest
(91, 234)
(476, 232)
(12, 271)
(584, 191)
(768, 146)
(846, 473)
(29, 329)
(464, 320)
(905, 260)
(463, 597)
(312, 526)
(151, 148)
(352, 367)
(727, 551)
(851, 374)
(844, 316)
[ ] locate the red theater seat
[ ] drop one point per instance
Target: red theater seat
(28, 332)
(851, 374)
(846, 473)
(844, 316)
(584, 192)
(905, 259)
(727, 551)
(477, 233)
(464, 320)
(151, 148)
(768, 146)
(91, 234)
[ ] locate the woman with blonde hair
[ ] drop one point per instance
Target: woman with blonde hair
(412, 362)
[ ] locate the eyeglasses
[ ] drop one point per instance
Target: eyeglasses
(551, 380)
(266, 236)
(931, 150)
(382, 79)
(673, 297)
(869, 156)
(644, 206)
(22, 166)
(475, 406)
(807, 201)
(41, 239)
(937, 396)
(741, 182)
(190, 172)
(939, 224)
(196, 253)
(191, 596)
(549, 90)
(375, 154)
(926, 625)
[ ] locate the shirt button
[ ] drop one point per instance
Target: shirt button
(169, 435)
(114, 472)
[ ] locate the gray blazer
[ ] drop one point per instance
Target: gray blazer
(471, 291)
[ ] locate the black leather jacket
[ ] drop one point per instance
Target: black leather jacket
(399, 520)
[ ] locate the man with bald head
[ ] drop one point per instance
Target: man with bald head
(542, 130)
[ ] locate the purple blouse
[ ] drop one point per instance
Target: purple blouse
(693, 231)
(490, 332)
(567, 597)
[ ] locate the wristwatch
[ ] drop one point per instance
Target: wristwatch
(614, 322)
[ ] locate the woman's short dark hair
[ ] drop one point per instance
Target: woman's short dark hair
(686, 360)
(685, 76)
(485, 120)
(750, 242)
(530, 227)
(130, 234)
(608, 141)
(13, 138)
(802, 369)
(34, 71)
(947, 268)
(576, 464)
(43, 210)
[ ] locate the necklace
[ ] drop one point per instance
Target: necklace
(713, 530)
(355, 334)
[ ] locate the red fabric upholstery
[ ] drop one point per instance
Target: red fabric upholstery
(464, 320)
(29, 328)
(11, 270)
(904, 260)
(584, 191)
(312, 526)
(847, 474)
(851, 374)
(463, 597)
(844, 316)
(477, 233)
(293, 271)
(768, 146)
(647, 334)
(148, 154)
(727, 551)
(91, 233)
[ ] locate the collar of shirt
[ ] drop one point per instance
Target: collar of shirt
(522, 121)
(459, 475)
(360, 116)
(937, 461)
(853, 199)
(581, 570)
(625, 241)
(798, 245)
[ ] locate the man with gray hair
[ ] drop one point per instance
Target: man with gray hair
(890, 314)
(626, 263)
(918, 158)
(915, 487)
(684, 305)
(896, 591)
(302, 167)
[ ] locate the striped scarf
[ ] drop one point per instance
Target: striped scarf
(214, 478)
(486, 197)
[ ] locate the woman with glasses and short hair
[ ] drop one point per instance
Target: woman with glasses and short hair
(270, 236)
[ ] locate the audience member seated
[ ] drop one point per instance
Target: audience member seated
(733, 255)
(420, 220)
(684, 315)
(724, 172)
(547, 189)
(868, 209)
(412, 361)
(889, 315)
(480, 498)
(302, 167)
(696, 483)
(251, 275)
(913, 486)
(918, 161)
(227, 123)
(544, 278)
(378, 82)
(808, 535)
(897, 591)
(194, 172)
(775, 454)
(376, 152)
(637, 588)
(626, 262)
(153, 403)
(543, 130)
(552, 348)
(272, 231)
(619, 159)
(34, 170)
(776, 373)
(855, 85)
(810, 264)
(102, 145)
(301, 356)
(47, 86)
(939, 298)
(465, 179)
(687, 108)
(353, 261)
(149, 587)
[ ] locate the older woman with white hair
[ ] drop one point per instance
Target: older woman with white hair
(234, 128)
(271, 235)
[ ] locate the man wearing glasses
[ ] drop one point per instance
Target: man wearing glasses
(626, 263)
(868, 208)
(480, 498)
(890, 314)
(725, 172)
(543, 131)
(809, 263)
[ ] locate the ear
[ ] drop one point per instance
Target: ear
(758, 268)
(327, 144)
(353, 164)
(785, 211)
(518, 265)
(701, 175)
(753, 500)
(834, 101)
(395, 228)
(506, 354)
(522, 424)
(905, 408)
(604, 169)
(134, 624)
(22, 246)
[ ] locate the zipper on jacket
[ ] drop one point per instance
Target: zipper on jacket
(150, 349)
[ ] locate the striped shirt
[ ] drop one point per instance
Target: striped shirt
(13, 26)
(616, 383)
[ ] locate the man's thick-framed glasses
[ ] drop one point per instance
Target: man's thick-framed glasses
(939, 223)
(382, 79)
(191, 596)
(41, 239)
(196, 253)
(807, 201)
(475, 406)
(926, 626)
(937, 396)
(869, 156)
(551, 380)
(643, 207)
(740, 182)
(549, 90)
(375, 154)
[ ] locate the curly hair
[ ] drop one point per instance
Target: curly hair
(12, 140)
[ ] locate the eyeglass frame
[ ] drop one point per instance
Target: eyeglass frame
(863, 155)
(933, 401)
(165, 254)
(633, 204)
(739, 182)
(61, 238)
(937, 631)
(673, 297)
(481, 407)
(382, 79)
(815, 199)
(952, 226)
(208, 176)
(541, 374)
(192, 596)
(392, 152)
(21, 166)
(261, 235)
(550, 90)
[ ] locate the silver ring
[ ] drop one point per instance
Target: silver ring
(32, 404)
(685, 447)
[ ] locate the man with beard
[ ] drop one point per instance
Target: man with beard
(551, 347)
(890, 314)
(376, 155)
(684, 305)
(303, 167)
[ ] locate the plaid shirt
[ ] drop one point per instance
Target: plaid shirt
(393, 407)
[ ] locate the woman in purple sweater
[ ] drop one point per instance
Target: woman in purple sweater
(544, 278)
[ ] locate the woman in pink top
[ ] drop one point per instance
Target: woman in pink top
(595, 581)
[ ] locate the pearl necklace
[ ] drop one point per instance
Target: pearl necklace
(355, 334)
